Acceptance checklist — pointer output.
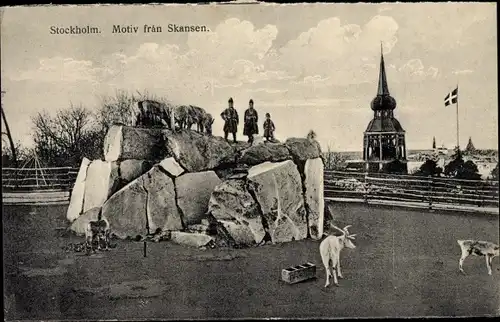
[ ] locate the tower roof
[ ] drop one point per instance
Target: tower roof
(383, 100)
(470, 146)
(384, 125)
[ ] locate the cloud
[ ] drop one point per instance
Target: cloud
(460, 72)
(268, 90)
(236, 56)
(316, 80)
(60, 69)
(319, 50)
(414, 70)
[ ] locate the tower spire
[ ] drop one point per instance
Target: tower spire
(383, 88)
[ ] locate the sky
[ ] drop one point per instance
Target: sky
(311, 66)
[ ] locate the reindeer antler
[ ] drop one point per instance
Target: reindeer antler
(341, 230)
(345, 228)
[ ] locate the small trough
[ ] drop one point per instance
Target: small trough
(299, 273)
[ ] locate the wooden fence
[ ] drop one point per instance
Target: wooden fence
(337, 184)
(406, 188)
(38, 179)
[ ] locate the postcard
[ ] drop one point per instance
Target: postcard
(250, 160)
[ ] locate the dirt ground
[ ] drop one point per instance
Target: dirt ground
(405, 264)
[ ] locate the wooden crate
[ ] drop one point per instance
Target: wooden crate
(298, 273)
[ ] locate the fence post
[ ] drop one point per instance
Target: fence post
(365, 185)
(68, 182)
(481, 192)
(429, 191)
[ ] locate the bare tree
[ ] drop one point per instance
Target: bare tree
(9, 135)
(121, 108)
(67, 137)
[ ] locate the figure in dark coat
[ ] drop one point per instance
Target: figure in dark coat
(231, 120)
(251, 122)
(269, 128)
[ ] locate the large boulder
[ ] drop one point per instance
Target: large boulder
(232, 205)
(193, 194)
(303, 149)
(101, 182)
(191, 239)
(314, 196)
(260, 153)
(241, 234)
(196, 152)
(126, 142)
(277, 187)
(133, 169)
(75, 207)
(80, 224)
(149, 199)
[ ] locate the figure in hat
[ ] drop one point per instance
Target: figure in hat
(231, 120)
(269, 128)
(251, 126)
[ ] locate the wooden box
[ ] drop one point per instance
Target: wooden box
(298, 273)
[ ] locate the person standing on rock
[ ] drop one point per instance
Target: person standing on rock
(231, 120)
(269, 128)
(251, 126)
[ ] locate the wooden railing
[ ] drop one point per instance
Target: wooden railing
(406, 188)
(29, 179)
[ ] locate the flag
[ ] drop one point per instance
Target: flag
(451, 98)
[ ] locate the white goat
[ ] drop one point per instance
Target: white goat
(330, 249)
(477, 248)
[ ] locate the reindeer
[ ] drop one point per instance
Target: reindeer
(477, 248)
(329, 250)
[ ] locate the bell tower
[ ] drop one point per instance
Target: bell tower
(384, 137)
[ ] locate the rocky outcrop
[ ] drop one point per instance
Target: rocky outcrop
(75, 207)
(277, 188)
(101, 182)
(193, 194)
(196, 152)
(272, 152)
(161, 180)
(233, 205)
(314, 190)
(80, 224)
(126, 142)
(148, 200)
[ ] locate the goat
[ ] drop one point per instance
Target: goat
(97, 231)
(329, 250)
(477, 248)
